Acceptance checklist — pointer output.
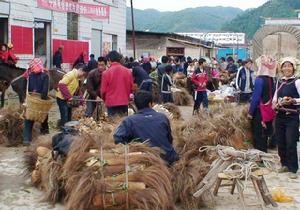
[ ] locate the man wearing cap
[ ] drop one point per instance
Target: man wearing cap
(68, 86)
(37, 82)
(287, 102)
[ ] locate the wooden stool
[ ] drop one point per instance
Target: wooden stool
(260, 187)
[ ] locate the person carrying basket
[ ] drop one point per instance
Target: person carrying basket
(37, 85)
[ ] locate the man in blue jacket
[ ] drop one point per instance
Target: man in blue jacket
(147, 125)
(244, 81)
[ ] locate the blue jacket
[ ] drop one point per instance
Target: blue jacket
(150, 125)
(139, 75)
(261, 93)
(242, 77)
(38, 83)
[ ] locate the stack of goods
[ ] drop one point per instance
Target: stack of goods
(172, 108)
(226, 124)
(100, 175)
(179, 80)
(44, 170)
(11, 126)
(224, 94)
(181, 97)
(78, 113)
(97, 174)
(161, 109)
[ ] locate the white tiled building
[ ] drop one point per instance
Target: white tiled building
(226, 38)
(37, 31)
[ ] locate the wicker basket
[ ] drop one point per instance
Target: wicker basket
(36, 108)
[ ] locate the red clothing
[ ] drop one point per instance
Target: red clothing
(12, 58)
(4, 56)
(200, 79)
(116, 85)
(8, 57)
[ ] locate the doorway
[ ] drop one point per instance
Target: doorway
(96, 42)
(42, 41)
(3, 30)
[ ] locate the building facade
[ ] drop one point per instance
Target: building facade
(159, 44)
(278, 37)
(226, 38)
(37, 28)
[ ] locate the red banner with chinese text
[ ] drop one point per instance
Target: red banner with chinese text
(89, 10)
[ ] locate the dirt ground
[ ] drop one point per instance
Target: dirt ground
(16, 193)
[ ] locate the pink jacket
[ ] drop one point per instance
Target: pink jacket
(116, 86)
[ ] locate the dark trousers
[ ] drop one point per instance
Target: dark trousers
(146, 85)
(244, 97)
(90, 108)
(260, 134)
(65, 111)
(200, 97)
(27, 131)
(117, 110)
(167, 97)
(287, 135)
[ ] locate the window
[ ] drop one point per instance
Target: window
(108, 2)
(115, 42)
(72, 26)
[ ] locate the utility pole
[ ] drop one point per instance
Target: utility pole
(133, 31)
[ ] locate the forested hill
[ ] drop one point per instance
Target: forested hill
(187, 20)
(251, 20)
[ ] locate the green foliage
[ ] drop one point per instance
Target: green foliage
(187, 20)
(251, 20)
(212, 18)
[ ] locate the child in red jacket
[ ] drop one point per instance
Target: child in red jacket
(200, 78)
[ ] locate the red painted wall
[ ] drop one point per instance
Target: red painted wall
(22, 39)
(72, 49)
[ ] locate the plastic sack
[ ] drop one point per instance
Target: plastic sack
(279, 196)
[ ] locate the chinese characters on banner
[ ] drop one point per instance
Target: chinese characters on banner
(89, 10)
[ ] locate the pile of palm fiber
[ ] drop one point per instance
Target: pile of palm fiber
(95, 174)
(92, 176)
(11, 126)
(225, 124)
(45, 172)
(174, 110)
(181, 97)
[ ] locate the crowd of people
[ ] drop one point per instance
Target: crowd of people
(117, 81)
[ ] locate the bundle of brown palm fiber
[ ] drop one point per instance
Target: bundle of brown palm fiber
(174, 110)
(180, 83)
(181, 97)
(225, 124)
(11, 126)
(101, 175)
(44, 170)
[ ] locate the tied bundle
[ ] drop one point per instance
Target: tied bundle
(44, 170)
(11, 127)
(181, 97)
(100, 175)
(224, 124)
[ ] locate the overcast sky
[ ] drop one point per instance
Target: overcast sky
(175, 5)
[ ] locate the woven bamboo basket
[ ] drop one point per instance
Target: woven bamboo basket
(36, 108)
